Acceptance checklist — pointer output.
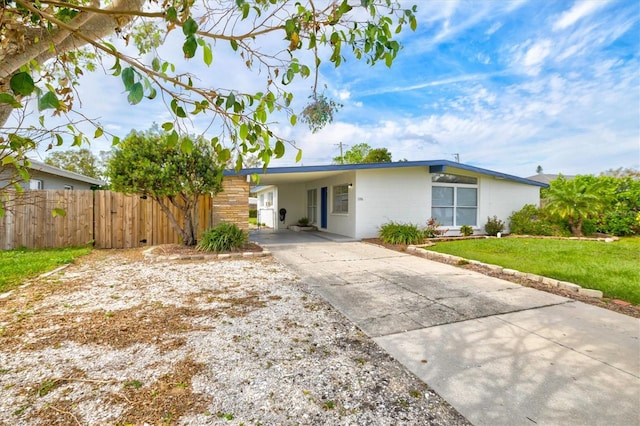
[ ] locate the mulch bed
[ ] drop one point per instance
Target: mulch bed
(180, 250)
(611, 304)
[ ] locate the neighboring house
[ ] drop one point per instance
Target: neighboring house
(356, 199)
(547, 178)
(44, 176)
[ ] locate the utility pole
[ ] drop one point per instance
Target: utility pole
(341, 153)
(457, 157)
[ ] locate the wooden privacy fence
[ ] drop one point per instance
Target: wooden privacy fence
(110, 219)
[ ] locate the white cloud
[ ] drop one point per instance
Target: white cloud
(536, 55)
(579, 10)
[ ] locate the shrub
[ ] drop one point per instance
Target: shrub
(466, 230)
(398, 233)
(494, 225)
(253, 213)
(530, 220)
(432, 230)
(223, 237)
(303, 221)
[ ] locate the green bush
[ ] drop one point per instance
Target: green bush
(253, 213)
(223, 237)
(493, 226)
(303, 221)
(466, 230)
(399, 233)
(530, 220)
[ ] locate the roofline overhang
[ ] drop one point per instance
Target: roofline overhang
(435, 166)
(46, 168)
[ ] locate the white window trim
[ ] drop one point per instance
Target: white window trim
(333, 200)
(455, 201)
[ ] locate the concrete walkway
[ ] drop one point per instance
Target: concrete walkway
(501, 354)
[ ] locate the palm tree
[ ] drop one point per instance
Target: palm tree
(575, 200)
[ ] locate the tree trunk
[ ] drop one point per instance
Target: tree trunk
(172, 219)
(575, 227)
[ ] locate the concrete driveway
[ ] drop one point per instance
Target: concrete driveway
(500, 353)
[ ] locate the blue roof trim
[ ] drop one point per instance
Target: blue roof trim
(432, 164)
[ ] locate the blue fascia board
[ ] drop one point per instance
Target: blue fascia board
(435, 166)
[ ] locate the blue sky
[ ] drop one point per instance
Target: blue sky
(505, 85)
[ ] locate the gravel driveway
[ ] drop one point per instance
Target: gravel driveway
(118, 339)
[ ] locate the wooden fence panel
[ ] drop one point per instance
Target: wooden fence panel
(110, 219)
(31, 222)
(127, 221)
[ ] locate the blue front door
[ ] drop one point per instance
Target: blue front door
(323, 207)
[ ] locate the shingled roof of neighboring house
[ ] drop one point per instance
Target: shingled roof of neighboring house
(547, 177)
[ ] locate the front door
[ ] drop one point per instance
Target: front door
(323, 207)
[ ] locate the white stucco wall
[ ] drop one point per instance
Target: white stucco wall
(502, 197)
(383, 195)
(291, 197)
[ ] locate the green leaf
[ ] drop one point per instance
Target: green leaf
(48, 101)
(172, 139)
(6, 98)
(208, 55)
(59, 140)
(299, 156)
(244, 131)
(152, 93)
(293, 120)
(58, 212)
(115, 141)
(224, 155)
(186, 146)
(279, 149)
(136, 94)
(99, 132)
(7, 160)
(172, 14)
(22, 84)
(189, 47)
(231, 100)
(128, 78)
(234, 44)
(167, 126)
(77, 140)
(155, 64)
(190, 27)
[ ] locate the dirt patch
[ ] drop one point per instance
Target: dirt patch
(118, 339)
(611, 304)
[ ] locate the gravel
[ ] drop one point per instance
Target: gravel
(118, 339)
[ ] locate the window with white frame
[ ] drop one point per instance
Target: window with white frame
(269, 202)
(36, 184)
(340, 199)
(312, 205)
(454, 199)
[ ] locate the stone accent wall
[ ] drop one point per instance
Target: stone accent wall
(232, 204)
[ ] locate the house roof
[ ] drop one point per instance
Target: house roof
(276, 175)
(46, 168)
(547, 177)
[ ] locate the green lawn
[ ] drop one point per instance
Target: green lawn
(16, 265)
(613, 268)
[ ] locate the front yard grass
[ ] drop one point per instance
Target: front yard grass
(613, 268)
(17, 265)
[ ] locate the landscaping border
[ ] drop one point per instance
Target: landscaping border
(563, 285)
(149, 254)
